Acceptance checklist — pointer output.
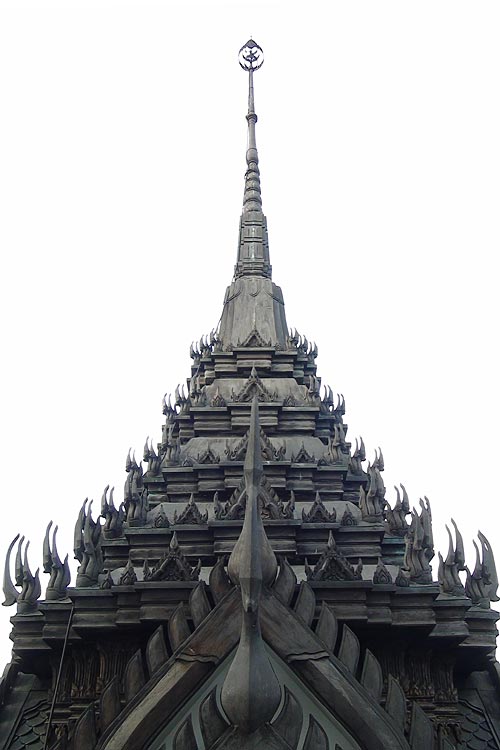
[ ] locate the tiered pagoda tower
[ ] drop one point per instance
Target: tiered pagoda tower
(253, 588)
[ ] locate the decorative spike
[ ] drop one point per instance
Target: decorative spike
(349, 649)
(284, 586)
(305, 606)
(199, 604)
(9, 590)
(371, 677)
(109, 703)
(84, 733)
(156, 651)
(218, 581)
(134, 678)
(450, 557)
(47, 557)
(104, 501)
(18, 569)
(489, 568)
(178, 628)
(395, 703)
(327, 627)
(406, 501)
(459, 548)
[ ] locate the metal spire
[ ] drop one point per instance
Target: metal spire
(253, 252)
(251, 58)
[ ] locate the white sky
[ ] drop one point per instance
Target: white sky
(122, 141)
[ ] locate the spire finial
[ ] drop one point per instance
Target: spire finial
(251, 58)
(253, 250)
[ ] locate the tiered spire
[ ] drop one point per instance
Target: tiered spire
(253, 251)
(254, 312)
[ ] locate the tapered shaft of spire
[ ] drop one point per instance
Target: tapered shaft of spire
(253, 250)
(252, 197)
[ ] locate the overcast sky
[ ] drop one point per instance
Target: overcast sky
(122, 145)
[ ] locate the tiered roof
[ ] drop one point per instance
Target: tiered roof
(345, 556)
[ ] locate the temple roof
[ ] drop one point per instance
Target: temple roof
(255, 473)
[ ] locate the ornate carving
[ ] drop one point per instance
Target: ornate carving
(161, 520)
(197, 391)
(182, 400)
(381, 574)
(269, 452)
(403, 578)
(289, 508)
(332, 565)
(337, 446)
(418, 670)
(254, 386)
(489, 568)
(312, 395)
(168, 410)
(85, 672)
(172, 447)
(327, 403)
(318, 513)
(27, 598)
(60, 576)
(207, 457)
(134, 495)
(419, 546)
(303, 457)
(151, 458)
(173, 566)
(372, 501)
(449, 580)
(271, 507)
(113, 659)
(87, 547)
(113, 518)
(107, 582)
(348, 518)
(477, 585)
(254, 339)
(442, 676)
(128, 577)
(191, 514)
(218, 400)
(396, 517)
(9, 590)
(357, 458)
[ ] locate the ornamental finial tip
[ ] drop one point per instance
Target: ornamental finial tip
(251, 56)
